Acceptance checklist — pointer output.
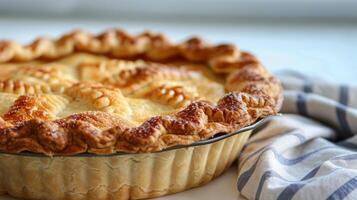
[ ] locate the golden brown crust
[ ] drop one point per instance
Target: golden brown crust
(30, 125)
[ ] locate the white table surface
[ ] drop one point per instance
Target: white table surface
(327, 49)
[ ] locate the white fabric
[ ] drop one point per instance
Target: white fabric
(310, 151)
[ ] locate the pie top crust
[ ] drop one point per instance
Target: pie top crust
(116, 92)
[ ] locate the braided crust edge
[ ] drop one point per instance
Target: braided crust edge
(252, 94)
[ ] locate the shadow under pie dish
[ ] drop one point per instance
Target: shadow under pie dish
(119, 116)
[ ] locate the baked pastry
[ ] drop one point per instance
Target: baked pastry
(72, 95)
(116, 92)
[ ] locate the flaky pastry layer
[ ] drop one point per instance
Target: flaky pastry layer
(98, 105)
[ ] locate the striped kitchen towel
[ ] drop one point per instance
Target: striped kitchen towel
(310, 152)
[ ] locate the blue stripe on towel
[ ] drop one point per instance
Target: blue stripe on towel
(307, 88)
(344, 190)
(344, 95)
(267, 174)
(244, 177)
(299, 136)
(271, 173)
(346, 157)
(301, 104)
(285, 161)
(348, 145)
(341, 111)
(292, 189)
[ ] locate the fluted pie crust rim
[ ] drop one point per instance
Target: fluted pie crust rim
(212, 140)
(252, 93)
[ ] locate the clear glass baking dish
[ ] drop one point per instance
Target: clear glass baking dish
(121, 175)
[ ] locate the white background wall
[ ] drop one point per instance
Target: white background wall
(188, 8)
(317, 47)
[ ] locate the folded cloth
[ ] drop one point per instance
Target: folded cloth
(310, 152)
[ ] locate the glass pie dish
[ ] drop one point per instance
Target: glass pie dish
(121, 175)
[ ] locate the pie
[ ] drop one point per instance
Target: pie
(120, 116)
(116, 92)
